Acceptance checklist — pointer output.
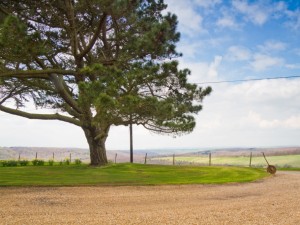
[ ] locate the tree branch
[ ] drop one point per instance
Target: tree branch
(61, 89)
(40, 116)
(42, 74)
(94, 38)
(4, 11)
(71, 19)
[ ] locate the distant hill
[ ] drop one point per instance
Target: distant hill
(246, 151)
(60, 154)
(45, 153)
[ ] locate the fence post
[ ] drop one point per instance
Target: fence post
(53, 156)
(145, 159)
(36, 156)
(19, 156)
(250, 159)
(173, 159)
(116, 158)
(210, 159)
(70, 157)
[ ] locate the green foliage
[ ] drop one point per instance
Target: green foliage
(67, 161)
(50, 162)
(78, 162)
(126, 174)
(24, 162)
(38, 162)
(16, 41)
(10, 163)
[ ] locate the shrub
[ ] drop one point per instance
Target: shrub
(38, 162)
(51, 162)
(67, 161)
(24, 162)
(77, 161)
(10, 163)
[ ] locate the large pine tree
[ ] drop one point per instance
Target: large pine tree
(99, 63)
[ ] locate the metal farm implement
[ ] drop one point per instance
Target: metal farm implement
(270, 169)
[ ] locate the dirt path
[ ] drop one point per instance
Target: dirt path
(274, 200)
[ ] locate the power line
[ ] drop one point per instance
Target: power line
(245, 80)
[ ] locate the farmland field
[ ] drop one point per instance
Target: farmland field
(279, 161)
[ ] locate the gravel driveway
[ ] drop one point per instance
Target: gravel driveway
(275, 200)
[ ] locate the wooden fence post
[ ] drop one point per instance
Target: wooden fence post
(209, 159)
(53, 156)
(36, 156)
(19, 156)
(250, 159)
(145, 159)
(116, 158)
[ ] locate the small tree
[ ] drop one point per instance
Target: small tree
(97, 63)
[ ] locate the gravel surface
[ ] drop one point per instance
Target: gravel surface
(275, 200)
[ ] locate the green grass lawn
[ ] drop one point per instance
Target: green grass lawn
(125, 174)
(289, 169)
(279, 161)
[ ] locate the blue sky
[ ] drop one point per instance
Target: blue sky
(220, 40)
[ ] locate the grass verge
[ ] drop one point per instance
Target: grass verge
(289, 169)
(125, 174)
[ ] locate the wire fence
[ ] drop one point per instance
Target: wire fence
(280, 161)
(208, 159)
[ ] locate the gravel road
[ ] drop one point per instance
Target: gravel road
(275, 200)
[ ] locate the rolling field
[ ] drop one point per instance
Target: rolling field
(284, 161)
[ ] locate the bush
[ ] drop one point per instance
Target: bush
(77, 161)
(38, 162)
(10, 163)
(67, 161)
(51, 162)
(24, 162)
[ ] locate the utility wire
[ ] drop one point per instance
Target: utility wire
(245, 80)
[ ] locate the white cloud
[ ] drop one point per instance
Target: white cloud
(297, 51)
(213, 67)
(255, 13)
(293, 66)
(190, 21)
(227, 22)
(207, 3)
(272, 45)
(238, 53)
(189, 49)
(294, 18)
(203, 71)
(262, 62)
(292, 122)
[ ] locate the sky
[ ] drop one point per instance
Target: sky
(220, 41)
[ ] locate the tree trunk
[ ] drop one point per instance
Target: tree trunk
(96, 141)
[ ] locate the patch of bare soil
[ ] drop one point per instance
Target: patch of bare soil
(275, 200)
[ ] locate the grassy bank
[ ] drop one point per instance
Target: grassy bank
(289, 169)
(125, 174)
